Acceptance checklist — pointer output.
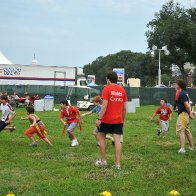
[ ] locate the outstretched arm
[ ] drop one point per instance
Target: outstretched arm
(87, 114)
(24, 118)
(153, 116)
(12, 117)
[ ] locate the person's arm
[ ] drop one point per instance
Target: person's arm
(124, 111)
(170, 116)
(153, 116)
(87, 113)
(33, 119)
(103, 109)
(62, 120)
(24, 118)
(188, 109)
(12, 117)
(79, 116)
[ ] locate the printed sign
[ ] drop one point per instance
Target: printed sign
(10, 71)
(121, 75)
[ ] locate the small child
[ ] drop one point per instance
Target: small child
(8, 114)
(72, 116)
(97, 103)
(165, 115)
(37, 126)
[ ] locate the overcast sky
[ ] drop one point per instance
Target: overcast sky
(74, 32)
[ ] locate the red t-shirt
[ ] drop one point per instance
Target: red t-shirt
(177, 95)
(70, 114)
(164, 112)
(116, 97)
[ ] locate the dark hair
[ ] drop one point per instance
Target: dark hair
(4, 97)
(165, 100)
(30, 109)
(65, 102)
(112, 77)
(181, 84)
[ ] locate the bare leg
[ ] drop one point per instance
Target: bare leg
(47, 141)
(182, 140)
(33, 140)
(96, 136)
(102, 143)
(71, 136)
(118, 148)
(190, 139)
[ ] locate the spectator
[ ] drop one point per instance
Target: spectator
(184, 116)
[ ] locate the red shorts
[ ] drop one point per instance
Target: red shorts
(32, 130)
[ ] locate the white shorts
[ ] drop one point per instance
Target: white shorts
(164, 125)
(71, 127)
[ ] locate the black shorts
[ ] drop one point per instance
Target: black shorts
(111, 128)
(2, 125)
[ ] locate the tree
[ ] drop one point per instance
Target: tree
(137, 65)
(176, 27)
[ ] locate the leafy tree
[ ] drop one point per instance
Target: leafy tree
(176, 27)
(137, 65)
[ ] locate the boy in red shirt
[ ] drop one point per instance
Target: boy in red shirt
(165, 115)
(71, 115)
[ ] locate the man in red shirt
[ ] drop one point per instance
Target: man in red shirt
(165, 115)
(71, 115)
(111, 118)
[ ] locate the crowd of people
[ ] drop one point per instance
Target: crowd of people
(16, 101)
(111, 114)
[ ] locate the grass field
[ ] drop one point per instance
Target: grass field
(151, 165)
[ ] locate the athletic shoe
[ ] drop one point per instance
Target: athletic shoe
(101, 163)
(116, 167)
(182, 151)
(74, 143)
(33, 144)
(190, 148)
(12, 129)
(158, 132)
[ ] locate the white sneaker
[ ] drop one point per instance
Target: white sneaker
(182, 151)
(101, 163)
(116, 167)
(190, 148)
(74, 143)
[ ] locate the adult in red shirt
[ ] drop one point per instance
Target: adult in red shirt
(111, 118)
(71, 115)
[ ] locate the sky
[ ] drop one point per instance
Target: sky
(74, 32)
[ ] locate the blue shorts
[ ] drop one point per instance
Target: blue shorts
(71, 127)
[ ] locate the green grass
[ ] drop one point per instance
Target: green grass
(151, 165)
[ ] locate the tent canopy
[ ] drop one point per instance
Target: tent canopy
(4, 60)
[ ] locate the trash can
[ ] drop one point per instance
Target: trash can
(39, 105)
(48, 103)
(137, 102)
(131, 107)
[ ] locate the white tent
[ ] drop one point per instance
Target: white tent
(4, 60)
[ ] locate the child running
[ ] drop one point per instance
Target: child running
(97, 103)
(8, 114)
(72, 116)
(165, 115)
(37, 126)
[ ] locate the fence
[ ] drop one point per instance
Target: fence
(148, 96)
